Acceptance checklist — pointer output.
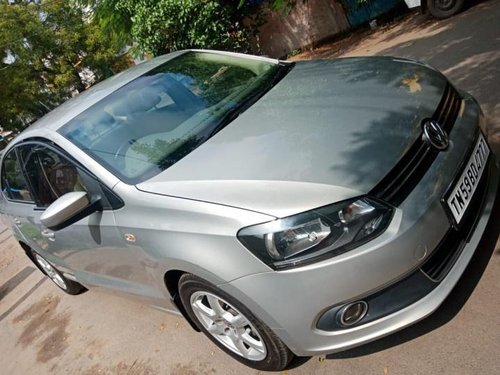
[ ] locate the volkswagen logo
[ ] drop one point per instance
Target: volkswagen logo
(435, 135)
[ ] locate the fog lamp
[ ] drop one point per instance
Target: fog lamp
(352, 313)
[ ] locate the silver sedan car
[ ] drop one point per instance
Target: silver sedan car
(284, 209)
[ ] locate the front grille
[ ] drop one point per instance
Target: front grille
(411, 167)
(450, 247)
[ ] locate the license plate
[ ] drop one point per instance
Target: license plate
(461, 195)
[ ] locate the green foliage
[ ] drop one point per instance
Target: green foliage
(276, 4)
(45, 48)
(161, 26)
(114, 21)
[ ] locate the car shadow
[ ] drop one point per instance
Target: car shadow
(451, 305)
(297, 362)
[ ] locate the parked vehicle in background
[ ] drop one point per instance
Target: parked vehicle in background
(283, 208)
(438, 8)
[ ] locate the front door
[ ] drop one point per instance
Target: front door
(92, 249)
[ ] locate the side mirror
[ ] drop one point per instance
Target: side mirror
(68, 209)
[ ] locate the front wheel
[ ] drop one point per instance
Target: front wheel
(68, 286)
(231, 326)
(444, 8)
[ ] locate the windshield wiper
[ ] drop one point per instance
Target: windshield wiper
(226, 119)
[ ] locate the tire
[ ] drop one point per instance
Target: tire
(66, 285)
(231, 326)
(444, 8)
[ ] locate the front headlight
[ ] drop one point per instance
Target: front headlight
(317, 234)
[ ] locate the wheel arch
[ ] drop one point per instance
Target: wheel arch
(25, 247)
(29, 254)
(171, 280)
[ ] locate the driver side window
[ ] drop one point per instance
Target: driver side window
(50, 174)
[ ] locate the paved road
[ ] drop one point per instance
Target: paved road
(44, 331)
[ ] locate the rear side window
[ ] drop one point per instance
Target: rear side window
(14, 185)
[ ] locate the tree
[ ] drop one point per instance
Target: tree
(113, 19)
(274, 4)
(49, 52)
(161, 26)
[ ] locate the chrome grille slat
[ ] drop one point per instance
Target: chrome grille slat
(442, 115)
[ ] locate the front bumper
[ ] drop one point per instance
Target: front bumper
(291, 302)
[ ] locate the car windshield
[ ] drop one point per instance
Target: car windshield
(152, 122)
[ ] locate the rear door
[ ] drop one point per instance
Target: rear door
(18, 204)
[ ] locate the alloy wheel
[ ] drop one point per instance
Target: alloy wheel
(228, 326)
(51, 272)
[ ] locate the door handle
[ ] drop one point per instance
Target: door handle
(17, 221)
(48, 234)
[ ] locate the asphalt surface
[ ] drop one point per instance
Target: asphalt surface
(44, 331)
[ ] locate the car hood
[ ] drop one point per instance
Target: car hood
(328, 131)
